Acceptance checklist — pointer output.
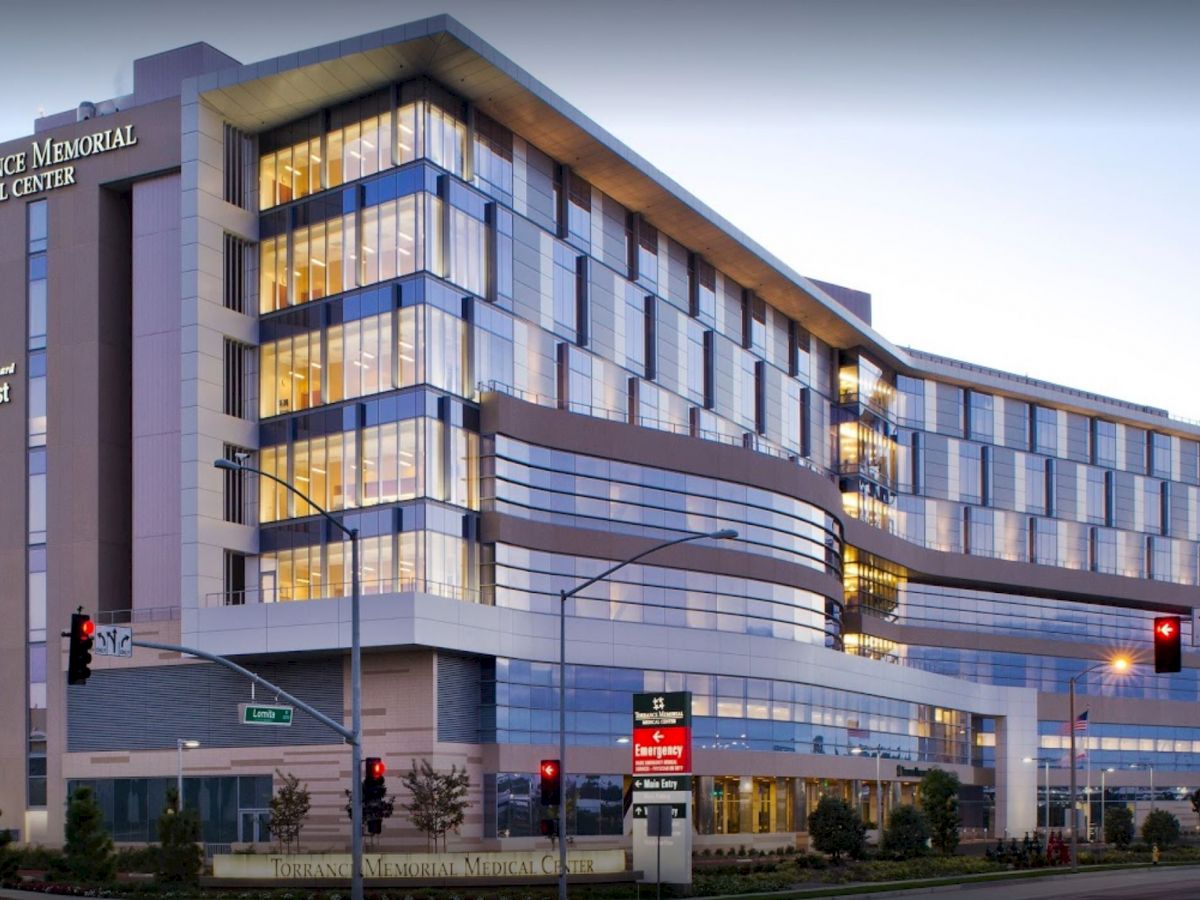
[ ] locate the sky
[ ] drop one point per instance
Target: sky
(1013, 182)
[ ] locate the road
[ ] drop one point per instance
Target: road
(1167, 883)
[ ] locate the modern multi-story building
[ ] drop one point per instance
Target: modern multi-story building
(404, 277)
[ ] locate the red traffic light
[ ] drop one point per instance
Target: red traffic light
(1168, 655)
(87, 628)
(376, 768)
(549, 768)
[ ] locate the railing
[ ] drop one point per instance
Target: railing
(341, 591)
(127, 616)
(747, 440)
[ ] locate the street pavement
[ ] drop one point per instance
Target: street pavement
(1160, 883)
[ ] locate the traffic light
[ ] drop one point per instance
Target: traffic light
(549, 828)
(1167, 657)
(79, 656)
(551, 773)
(374, 784)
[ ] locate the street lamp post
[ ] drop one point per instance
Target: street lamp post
(1120, 664)
(1103, 773)
(180, 745)
(356, 837)
(1046, 760)
(723, 534)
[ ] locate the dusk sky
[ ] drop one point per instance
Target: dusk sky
(1014, 182)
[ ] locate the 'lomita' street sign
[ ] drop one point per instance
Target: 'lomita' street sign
(264, 714)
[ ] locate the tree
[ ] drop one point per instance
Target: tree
(8, 859)
(1160, 828)
(180, 857)
(437, 800)
(835, 828)
(1194, 796)
(907, 832)
(88, 853)
(939, 800)
(289, 809)
(1118, 826)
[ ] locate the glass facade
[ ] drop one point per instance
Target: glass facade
(233, 808)
(728, 713)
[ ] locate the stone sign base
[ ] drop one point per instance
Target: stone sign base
(416, 869)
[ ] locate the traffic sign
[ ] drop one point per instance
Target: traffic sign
(662, 751)
(641, 810)
(264, 714)
(663, 783)
(114, 640)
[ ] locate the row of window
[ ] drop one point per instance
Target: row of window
(386, 463)
(953, 411)
(37, 242)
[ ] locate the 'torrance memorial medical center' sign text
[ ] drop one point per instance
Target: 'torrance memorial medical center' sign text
(49, 163)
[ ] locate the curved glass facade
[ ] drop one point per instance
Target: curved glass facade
(728, 713)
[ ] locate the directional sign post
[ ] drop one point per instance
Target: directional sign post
(662, 786)
(114, 640)
(264, 714)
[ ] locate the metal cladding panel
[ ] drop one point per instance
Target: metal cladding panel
(149, 709)
(458, 699)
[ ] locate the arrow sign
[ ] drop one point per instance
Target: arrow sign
(678, 810)
(658, 737)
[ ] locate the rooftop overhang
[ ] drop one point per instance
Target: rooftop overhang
(263, 95)
(260, 96)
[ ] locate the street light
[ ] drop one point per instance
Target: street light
(1102, 774)
(878, 785)
(1046, 760)
(1117, 664)
(180, 746)
(723, 534)
(1149, 766)
(356, 773)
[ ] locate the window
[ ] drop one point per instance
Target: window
(237, 482)
(238, 152)
(760, 397)
(239, 377)
(1158, 454)
(754, 322)
(37, 301)
(234, 578)
(799, 351)
(38, 226)
(710, 368)
(702, 289)
(1104, 443)
(236, 251)
(980, 424)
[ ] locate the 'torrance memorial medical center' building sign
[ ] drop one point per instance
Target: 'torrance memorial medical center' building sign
(49, 164)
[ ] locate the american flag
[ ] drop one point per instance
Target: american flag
(1081, 723)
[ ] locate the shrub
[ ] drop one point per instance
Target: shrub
(181, 856)
(1161, 828)
(88, 852)
(939, 801)
(907, 832)
(1118, 826)
(835, 828)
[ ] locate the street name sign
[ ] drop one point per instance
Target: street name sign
(264, 714)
